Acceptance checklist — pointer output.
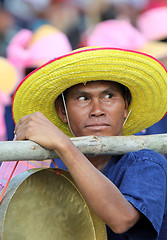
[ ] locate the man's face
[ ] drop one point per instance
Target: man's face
(97, 108)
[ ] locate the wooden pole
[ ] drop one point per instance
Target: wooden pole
(90, 145)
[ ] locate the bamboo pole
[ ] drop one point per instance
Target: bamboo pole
(90, 145)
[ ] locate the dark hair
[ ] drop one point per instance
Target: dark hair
(125, 93)
(29, 70)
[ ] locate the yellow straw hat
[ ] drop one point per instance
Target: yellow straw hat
(145, 77)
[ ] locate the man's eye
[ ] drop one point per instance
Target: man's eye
(82, 98)
(108, 96)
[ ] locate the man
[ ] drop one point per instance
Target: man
(102, 92)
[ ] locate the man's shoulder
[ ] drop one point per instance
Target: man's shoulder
(147, 156)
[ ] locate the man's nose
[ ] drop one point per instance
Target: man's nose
(96, 108)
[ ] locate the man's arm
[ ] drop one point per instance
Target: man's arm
(99, 192)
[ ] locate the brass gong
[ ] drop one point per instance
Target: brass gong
(45, 204)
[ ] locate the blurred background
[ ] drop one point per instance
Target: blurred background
(73, 17)
(33, 32)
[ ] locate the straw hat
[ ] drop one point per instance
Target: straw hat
(145, 77)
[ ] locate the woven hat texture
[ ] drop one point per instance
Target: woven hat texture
(145, 77)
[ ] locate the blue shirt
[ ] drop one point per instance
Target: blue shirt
(59, 163)
(142, 178)
(158, 128)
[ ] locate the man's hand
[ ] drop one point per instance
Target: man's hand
(36, 127)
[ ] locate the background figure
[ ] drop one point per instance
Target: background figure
(114, 33)
(28, 50)
(8, 28)
(8, 82)
(152, 24)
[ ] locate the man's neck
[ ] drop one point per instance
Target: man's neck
(99, 161)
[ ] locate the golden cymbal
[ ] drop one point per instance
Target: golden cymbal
(45, 204)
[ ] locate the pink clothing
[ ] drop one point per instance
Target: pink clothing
(25, 52)
(43, 50)
(116, 33)
(152, 23)
(7, 167)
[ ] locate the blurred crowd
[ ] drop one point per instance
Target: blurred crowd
(33, 32)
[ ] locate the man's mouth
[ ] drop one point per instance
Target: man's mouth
(97, 126)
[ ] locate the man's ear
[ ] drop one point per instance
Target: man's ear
(60, 109)
(126, 109)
